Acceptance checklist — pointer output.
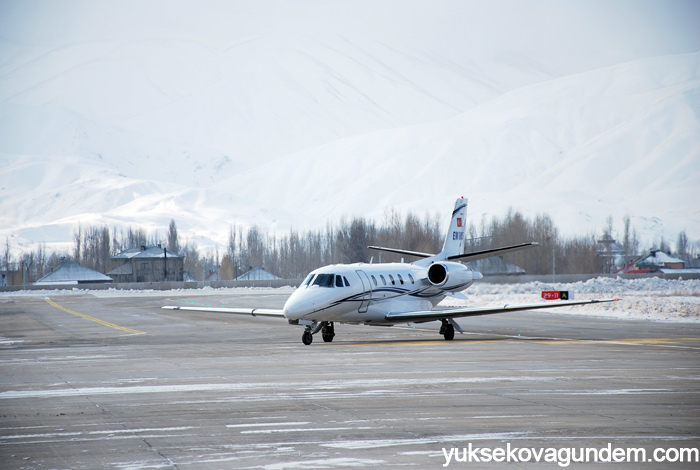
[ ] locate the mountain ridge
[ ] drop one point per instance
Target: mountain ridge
(534, 141)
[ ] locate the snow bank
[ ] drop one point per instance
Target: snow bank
(641, 299)
(112, 292)
(652, 299)
(599, 285)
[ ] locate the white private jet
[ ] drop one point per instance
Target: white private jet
(387, 294)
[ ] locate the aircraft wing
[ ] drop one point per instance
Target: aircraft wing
(255, 312)
(432, 315)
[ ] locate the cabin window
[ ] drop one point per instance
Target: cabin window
(382, 278)
(400, 279)
(324, 280)
(347, 284)
(338, 281)
(374, 279)
(391, 278)
(411, 278)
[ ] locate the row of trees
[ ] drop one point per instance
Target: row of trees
(93, 247)
(293, 254)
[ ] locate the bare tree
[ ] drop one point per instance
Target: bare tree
(6, 254)
(173, 239)
(78, 240)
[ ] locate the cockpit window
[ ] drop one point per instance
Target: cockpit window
(338, 281)
(307, 281)
(324, 280)
(347, 284)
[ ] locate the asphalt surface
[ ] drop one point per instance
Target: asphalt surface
(117, 382)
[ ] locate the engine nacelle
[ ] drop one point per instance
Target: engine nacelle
(448, 276)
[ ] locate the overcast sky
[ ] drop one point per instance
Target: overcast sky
(561, 34)
(80, 72)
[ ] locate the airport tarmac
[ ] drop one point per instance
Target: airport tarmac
(117, 382)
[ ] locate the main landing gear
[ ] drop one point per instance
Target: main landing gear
(447, 330)
(327, 332)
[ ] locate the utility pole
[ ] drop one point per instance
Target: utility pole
(554, 266)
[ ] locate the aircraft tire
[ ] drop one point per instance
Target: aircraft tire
(449, 333)
(307, 338)
(328, 332)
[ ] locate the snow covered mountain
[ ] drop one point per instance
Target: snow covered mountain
(293, 128)
(117, 133)
(615, 141)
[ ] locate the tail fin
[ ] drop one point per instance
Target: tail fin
(454, 240)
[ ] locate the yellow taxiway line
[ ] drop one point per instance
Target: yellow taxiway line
(671, 342)
(96, 320)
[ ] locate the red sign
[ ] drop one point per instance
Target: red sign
(555, 294)
(459, 221)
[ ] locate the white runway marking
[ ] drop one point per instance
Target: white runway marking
(303, 387)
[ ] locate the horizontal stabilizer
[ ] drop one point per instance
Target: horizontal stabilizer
(402, 252)
(467, 257)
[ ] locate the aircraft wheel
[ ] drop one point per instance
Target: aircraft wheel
(307, 338)
(328, 332)
(449, 332)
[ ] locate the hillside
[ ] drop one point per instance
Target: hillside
(623, 139)
(286, 130)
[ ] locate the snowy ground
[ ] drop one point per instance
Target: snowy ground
(640, 299)
(649, 299)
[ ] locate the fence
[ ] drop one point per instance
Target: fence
(515, 279)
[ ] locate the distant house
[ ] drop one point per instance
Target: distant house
(147, 264)
(257, 274)
(70, 273)
(657, 260)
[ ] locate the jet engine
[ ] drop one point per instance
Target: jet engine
(447, 275)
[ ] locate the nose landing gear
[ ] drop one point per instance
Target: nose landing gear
(307, 338)
(326, 328)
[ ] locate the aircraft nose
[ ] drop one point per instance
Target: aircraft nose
(303, 302)
(294, 309)
(290, 312)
